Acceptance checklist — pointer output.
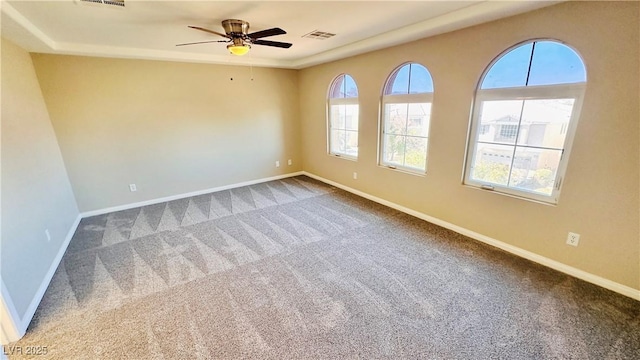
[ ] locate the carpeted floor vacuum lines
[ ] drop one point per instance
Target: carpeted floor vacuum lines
(296, 269)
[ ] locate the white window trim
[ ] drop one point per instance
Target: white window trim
(402, 99)
(407, 98)
(341, 101)
(573, 91)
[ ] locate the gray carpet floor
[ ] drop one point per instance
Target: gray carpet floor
(297, 269)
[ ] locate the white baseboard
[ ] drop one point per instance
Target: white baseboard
(14, 327)
(185, 195)
(553, 264)
(9, 318)
(31, 310)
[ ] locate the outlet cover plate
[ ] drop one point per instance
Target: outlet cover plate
(573, 239)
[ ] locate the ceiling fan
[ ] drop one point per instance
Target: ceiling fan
(237, 34)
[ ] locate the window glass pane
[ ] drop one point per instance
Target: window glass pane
(337, 89)
(510, 70)
(502, 118)
(351, 117)
(343, 118)
(418, 119)
(555, 63)
(351, 143)
(492, 163)
(395, 118)
(519, 143)
(406, 125)
(338, 116)
(545, 122)
(400, 81)
(535, 169)
(421, 81)
(350, 88)
(393, 151)
(338, 144)
(415, 152)
(343, 87)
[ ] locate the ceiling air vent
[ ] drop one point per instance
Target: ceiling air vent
(119, 3)
(319, 35)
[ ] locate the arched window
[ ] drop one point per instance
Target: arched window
(524, 117)
(406, 115)
(343, 117)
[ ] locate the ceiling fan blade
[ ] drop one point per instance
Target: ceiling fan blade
(265, 33)
(272, 43)
(201, 42)
(210, 31)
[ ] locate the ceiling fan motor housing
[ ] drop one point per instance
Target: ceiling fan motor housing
(235, 27)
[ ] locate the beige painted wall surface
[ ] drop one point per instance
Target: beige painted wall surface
(600, 194)
(36, 193)
(170, 128)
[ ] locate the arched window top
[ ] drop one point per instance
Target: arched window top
(343, 117)
(411, 78)
(535, 63)
(343, 87)
(523, 121)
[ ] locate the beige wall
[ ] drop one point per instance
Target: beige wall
(36, 194)
(174, 128)
(600, 195)
(170, 128)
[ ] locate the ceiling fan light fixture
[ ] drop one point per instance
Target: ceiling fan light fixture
(238, 50)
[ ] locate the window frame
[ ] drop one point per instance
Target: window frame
(331, 101)
(575, 91)
(415, 98)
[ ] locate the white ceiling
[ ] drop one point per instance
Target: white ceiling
(151, 29)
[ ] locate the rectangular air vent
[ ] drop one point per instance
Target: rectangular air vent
(320, 35)
(119, 3)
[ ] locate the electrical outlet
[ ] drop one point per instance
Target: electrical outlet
(289, 162)
(573, 239)
(132, 187)
(47, 234)
(277, 163)
(355, 175)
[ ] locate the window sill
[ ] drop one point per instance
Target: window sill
(403, 170)
(519, 197)
(345, 157)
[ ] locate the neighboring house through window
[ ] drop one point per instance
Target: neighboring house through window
(525, 114)
(343, 112)
(406, 116)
